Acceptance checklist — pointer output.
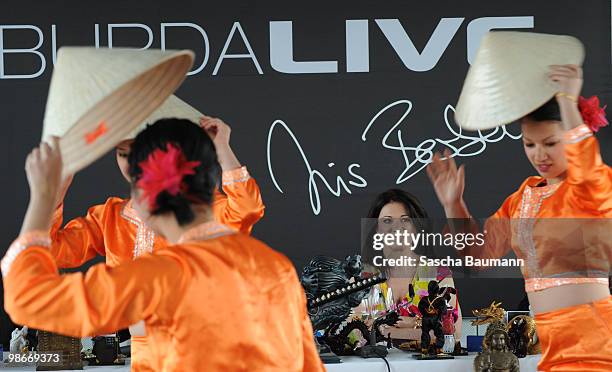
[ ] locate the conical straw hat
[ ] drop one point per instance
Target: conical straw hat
(98, 96)
(174, 107)
(509, 76)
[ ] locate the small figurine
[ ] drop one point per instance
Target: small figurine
(489, 314)
(338, 336)
(19, 342)
(432, 308)
(372, 349)
(106, 351)
(522, 336)
(68, 347)
(333, 288)
(389, 319)
(32, 338)
(492, 315)
(497, 358)
(325, 275)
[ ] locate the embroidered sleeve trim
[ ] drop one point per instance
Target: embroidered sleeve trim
(578, 134)
(30, 239)
(235, 175)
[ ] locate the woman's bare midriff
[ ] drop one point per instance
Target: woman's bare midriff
(557, 298)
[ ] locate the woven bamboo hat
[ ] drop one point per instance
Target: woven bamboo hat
(99, 95)
(509, 76)
(173, 107)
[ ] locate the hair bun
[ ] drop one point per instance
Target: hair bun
(184, 146)
(177, 204)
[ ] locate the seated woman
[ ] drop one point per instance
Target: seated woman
(395, 210)
(213, 299)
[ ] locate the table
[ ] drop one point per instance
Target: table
(401, 361)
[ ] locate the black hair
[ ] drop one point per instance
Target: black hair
(548, 111)
(413, 206)
(414, 210)
(196, 145)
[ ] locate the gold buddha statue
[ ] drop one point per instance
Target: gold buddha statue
(497, 357)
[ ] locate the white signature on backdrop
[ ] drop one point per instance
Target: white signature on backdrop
(416, 158)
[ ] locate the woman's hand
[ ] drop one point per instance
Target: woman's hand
(217, 130)
(448, 180)
(406, 322)
(568, 79)
(220, 133)
(44, 171)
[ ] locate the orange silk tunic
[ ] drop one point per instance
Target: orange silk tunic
(563, 231)
(218, 300)
(115, 231)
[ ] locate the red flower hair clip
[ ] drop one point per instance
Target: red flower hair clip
(592, 115)
(164, 171)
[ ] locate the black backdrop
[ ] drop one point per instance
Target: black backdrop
(327, 112)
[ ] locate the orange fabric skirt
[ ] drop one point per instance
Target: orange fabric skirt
(141, 360)
(576, 338)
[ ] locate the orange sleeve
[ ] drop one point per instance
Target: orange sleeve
(101, 301)
(81, 239)
(496, 233)
(586, 170)
(241, 206)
